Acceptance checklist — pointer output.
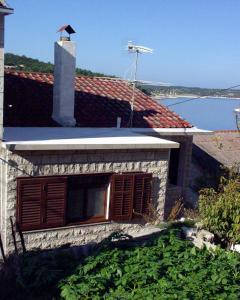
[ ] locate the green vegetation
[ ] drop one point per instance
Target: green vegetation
(165, 268)
(220, 209)
(28, 64)
(174, 91)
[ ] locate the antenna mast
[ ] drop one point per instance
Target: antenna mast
(135, 49)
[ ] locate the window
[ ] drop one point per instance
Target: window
(45, 202)
(87, 196)
(173, 166)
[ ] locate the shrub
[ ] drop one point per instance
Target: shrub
(40, 272)
(220, 209)
(165, 268)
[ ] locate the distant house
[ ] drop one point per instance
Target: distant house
(210, 153)
(72, 170)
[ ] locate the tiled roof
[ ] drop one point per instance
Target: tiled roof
(222, 146)
(98, 103)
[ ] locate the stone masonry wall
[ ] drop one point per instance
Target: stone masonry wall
(180, 191)
(38, 163)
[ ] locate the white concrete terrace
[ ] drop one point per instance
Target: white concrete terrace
(78, 138)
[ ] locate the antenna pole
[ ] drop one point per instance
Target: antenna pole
(133, 89)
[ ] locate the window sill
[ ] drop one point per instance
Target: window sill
(76, 225)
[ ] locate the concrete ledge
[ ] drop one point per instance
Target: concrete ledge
(42, 138)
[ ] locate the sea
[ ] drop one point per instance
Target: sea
(205, 113)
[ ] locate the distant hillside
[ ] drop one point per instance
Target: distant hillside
(28, 64)
(175, 91)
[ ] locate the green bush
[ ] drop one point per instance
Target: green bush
(168, 267)
(40, 272)
(220, 209)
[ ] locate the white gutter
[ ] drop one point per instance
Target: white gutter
(173, 131)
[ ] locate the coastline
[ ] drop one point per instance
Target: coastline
(161, 97)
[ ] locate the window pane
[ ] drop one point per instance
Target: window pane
(95, 205)
(75, 209)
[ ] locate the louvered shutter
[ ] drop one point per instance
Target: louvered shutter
(29, 204)
(55, 201)
(142, 193)
(122, 187)
(41, 202)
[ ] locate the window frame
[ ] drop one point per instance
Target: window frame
(108, 200)
(95, 219)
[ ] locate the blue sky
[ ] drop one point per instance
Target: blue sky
(196, 42)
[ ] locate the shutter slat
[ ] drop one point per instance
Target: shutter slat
(121, 197)
(41, 202)
(142, 194)
(56, 190)
(29, 203)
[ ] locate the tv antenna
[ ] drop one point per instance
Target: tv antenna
(135, 49)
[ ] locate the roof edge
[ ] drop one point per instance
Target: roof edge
(166, 131)
(174, 131)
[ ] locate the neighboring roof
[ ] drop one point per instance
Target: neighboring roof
(222, 146)
(67, 138)
(98, 103)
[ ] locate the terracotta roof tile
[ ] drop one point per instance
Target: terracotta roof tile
(98, 103)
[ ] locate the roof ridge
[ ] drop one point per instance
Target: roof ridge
(9, 71)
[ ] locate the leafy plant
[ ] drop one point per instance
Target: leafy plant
(191, 213)
(164, 268)
(40, 272)
(220, 209)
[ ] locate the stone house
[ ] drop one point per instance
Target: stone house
(71, 169)
(211, 154)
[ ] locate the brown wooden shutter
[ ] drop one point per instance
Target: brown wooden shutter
(29, 203)
(55, 201)
(41, 202)
(142, 193)
(122, 187)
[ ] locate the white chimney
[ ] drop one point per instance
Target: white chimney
(64, 82)
(4, 10)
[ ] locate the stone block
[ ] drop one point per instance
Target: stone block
(76, 163)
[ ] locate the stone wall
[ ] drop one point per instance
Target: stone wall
(3, 193)
(38, 163)
(181, 190)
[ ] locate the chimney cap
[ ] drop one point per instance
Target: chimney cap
(5, 8)
(67, 28)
